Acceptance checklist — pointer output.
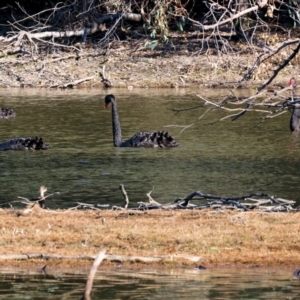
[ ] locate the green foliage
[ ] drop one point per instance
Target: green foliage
(180, 24)
(158, 25)
(161, 15)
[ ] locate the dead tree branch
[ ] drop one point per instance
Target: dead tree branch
(281, 66)
(260, 59)
(94, 27)
(73, 83)
(231, 19)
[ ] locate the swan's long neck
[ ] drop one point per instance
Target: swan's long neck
(294, 88)
(295, 118)
(117, 134)
(294, 92)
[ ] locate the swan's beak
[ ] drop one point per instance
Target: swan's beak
(105, 105)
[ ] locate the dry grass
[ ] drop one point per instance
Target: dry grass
(265, 239)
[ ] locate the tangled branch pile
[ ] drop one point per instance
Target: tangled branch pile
(29, 23)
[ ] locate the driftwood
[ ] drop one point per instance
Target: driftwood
(82, 205)
(259, 199)
(107, 257)
(253, 201)
(89, 282)
(31, 203)
(73, 83)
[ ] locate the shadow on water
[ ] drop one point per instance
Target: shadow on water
(84, 166)
(155, 284)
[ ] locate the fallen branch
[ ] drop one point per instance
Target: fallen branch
(73, 83)
(152, 204)
(94, 27)
(107, 257)
(229, 20)
(221, 201)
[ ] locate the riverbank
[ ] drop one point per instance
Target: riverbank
(177, 238)
(127, 65)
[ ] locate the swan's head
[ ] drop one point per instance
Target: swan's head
(292, 82)
(108, 99)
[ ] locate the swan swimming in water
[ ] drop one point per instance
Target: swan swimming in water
(295, 118)
(142, 139)
(30, 143)
(6, 113)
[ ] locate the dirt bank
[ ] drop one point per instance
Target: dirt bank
(190, 238)
(131, 66)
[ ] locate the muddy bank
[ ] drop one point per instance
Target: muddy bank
(126, 68)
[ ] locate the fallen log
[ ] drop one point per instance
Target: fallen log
(108, 257)
(92, 28)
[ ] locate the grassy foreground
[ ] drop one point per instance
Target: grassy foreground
(220, 237)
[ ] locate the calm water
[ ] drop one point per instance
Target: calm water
(227, 158)
(155, 284)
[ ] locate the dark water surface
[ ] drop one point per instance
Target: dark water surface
(227, 158)
(155, 284)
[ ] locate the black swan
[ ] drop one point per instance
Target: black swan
(294, 102)
(6, 113)
(30, 143)
(142, 139)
